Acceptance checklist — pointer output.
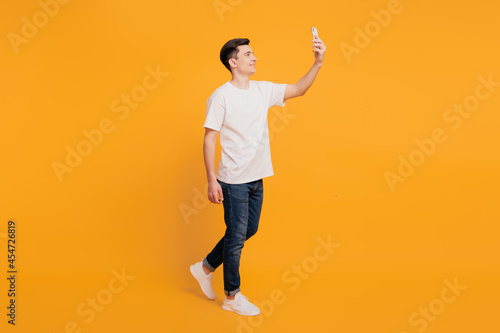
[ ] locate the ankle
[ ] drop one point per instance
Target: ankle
(230, 297)
(205, 269)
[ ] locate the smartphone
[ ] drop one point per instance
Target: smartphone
(314, 32)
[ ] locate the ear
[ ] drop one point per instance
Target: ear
(232, 62)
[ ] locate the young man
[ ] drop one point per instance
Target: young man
(238, 110)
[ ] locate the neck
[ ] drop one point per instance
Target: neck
(241, 82)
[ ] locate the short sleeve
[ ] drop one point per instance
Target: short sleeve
(276, 94)
(216, 111)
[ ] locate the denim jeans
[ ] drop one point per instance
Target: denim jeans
(242, 206)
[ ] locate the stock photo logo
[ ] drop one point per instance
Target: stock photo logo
(95, 137)
(421, 319)
(364, 36)
(89, 309)
(222, 6)
(293, 277)
(31, 26)
(454, 116)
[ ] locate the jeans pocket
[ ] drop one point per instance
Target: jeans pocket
(239, 194)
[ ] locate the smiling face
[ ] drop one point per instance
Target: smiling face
(244, 63)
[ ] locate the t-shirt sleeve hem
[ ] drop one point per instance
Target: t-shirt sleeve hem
(212, 127)
(282, 102)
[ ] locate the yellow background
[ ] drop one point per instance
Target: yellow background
(121, 207)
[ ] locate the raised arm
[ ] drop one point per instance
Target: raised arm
(300, 88)
(214, 188)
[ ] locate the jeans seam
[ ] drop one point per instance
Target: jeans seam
(210, 267)
(256, 185)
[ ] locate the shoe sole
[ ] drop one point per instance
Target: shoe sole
(191, 269)
(228, 308)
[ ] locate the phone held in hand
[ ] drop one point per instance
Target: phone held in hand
(314, 32)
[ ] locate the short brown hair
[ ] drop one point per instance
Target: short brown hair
(230, 50)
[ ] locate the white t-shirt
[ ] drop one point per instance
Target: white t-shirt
(240, 115)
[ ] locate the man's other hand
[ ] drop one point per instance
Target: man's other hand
(215, 192)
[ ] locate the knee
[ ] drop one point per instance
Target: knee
(251, 232)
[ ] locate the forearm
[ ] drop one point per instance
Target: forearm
(209, 157)
(307, 80)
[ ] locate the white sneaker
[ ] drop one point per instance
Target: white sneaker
(205, 280)
(240, 305)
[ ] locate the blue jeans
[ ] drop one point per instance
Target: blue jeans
(242, 206)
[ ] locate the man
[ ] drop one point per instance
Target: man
(238, 110)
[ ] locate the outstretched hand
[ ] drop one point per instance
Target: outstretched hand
(319, 50)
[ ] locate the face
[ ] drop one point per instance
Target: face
(245, 64)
